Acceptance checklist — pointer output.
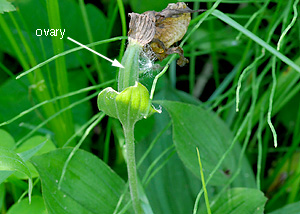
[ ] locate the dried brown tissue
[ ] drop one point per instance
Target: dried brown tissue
(159, 31)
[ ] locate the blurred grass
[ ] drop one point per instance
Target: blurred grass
(62, 83)
(252, 47)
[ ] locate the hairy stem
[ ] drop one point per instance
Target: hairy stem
(131, 168)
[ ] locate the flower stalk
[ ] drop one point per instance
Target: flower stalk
(131, 168)
(142, 31)
(155, 32)
(131, 102)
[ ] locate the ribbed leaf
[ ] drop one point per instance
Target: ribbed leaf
(6, 140)
(237, 201)
(36, 206)
(11, 161)
(196, 127)
(290, 209)
(89, 185)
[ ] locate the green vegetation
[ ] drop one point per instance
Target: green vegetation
(229, 120)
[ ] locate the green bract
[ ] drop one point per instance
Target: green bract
(129, 106)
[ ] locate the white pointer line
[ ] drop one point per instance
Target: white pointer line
(114, 62)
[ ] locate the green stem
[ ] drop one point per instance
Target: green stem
(214, 57)
(131, 167)
(67, 125)
(193, 56)
(124, 28)
(90, 38)
(127, 77)
(107, 140)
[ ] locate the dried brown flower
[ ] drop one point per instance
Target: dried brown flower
(141, 28)
(162, 29)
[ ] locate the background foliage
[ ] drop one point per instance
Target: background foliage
(245, 52)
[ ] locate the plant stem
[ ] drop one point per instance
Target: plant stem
(131, 167)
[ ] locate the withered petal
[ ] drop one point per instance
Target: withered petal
(142, 27)
(162, 29)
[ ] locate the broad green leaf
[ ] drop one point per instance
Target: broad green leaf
(89, 185)
(4, 175)
(26, 155)
(32, 143)
(2, 194)
(36, 145)
(173, 188)
(6, 140)
(293, 208)
(174, 185)
(13, 103)
(237, 201)
(36, 206)
(194, 127)
(11, 161)
(6, 6)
